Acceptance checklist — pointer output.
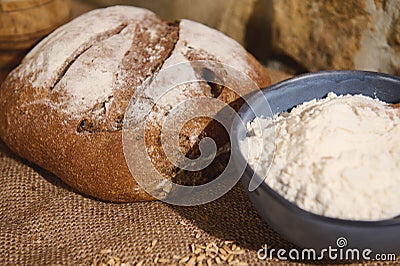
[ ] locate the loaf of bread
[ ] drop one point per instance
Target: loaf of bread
(63, 107)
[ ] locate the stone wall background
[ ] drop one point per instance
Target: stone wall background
(361, 34)
(298, 36)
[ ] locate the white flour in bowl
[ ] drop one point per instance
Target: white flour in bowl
(337, 157)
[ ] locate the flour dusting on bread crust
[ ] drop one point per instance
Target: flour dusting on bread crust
(86, 63)
(59, 48)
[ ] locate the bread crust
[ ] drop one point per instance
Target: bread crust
(80, 141)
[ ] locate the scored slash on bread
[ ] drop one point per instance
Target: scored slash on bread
(62, 108)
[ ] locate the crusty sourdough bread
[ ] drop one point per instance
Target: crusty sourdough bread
(62, 108)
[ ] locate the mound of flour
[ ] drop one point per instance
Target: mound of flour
(337, 157)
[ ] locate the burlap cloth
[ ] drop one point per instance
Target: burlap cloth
(44, 222)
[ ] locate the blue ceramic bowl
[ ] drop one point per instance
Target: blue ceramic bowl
(302, 228)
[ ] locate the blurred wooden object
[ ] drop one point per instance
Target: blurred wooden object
(24, 22)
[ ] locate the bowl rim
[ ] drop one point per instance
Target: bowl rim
(395, 221)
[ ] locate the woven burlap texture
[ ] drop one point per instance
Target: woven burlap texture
(43, 222)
